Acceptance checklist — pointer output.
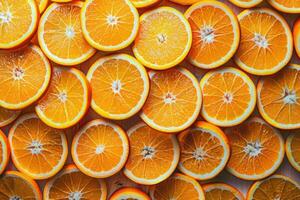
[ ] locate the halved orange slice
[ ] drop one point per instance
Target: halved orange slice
(164, 38)
(297, 36)
(204, 151)
(66, 100)
(8, 116)
(153, 155)
(246, 3)
(278, 98)
(291, 6)
(216, 33)
(292, 148)
(42, 4)
(4, 152)
(120, 86)
(128, 194)
(222, 191)
(266, 44)
(70, 183)
(229, 96)
(257, 149)
(144, 3)
(174, 100)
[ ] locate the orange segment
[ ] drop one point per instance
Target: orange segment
(290, 6)
(297, 36)
(24, 77)
(257, 149)
(292, 147)
(42, 4)
(144, 3)
(221, 191)
(70, 183)
(114, 28)
(120, 86)
(278, 98)
(229, 96)
(164, 38)
(216, 33)
(246, 3)
(4, 153)
(67, 98)
(266, 44)
(129, 194)
(174, 100)
(204, 151)
(153, 155)
(8, 116)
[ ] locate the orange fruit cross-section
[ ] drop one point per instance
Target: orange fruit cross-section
(296, 34)
(246, 3)
(292, 148)
(144, 3)
(290, 6)
(128, 194)
(4, 152)
(8, 116)
(222, 191)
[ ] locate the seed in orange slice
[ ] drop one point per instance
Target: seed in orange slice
(42, 4)
(246, 3)
(221, 191)
(257, 149)
(18, 20)
(292, 148)
(153, 155)
(278, 98)
(204, 151)
(297, 37)
(174, 100)
(120, 86)
(291, 6)
(114, 28)
(24, 77)
(266, 44)
(128, 194)
(229, 96)
(185, 2)
(4, 153)
(216, 33)
(144, 3)
(8, 116)
(164, 38)
(71, 183)
(66, 100)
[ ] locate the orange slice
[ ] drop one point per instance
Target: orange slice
(164, 38)
(120, 86)
(144, 3)
(216, 33)
(67, 98)
(128, 194)
(18, 20)
(204, 151)
(174, 100)
(153, 155)
(278, 98)
(24, 77)
(297, 36)
(246, 3)
(8, 116)
(185, 2)
(292, 147)
(36, 149)
(266, 44)
(257, 150)
(177, 186)
(42, 4)
(229, 96)
(291, 6)
(112, 30)
(70, 183)
(275, 187)
(221, 191)
(4, 153)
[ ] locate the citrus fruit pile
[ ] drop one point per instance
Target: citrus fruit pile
(149, 99)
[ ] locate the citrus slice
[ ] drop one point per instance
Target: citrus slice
(164, 38)
(24, 77)
(292, 147)
(70, 183)
(67, 98)
(257, 149)
(120, 86)
(229, 96)
(266, 44)
(221, 191)
(246, 3)
(274, 187)
(297, 36)
(291, 6)
(4, 152)
(42, 4)
(8, 116)
(204, 151)
(112, 30)
(19, 20)
(174, 100)
(278, 98)
(185, 2)
(144, 3)
(153, 155)
(129, 194)
(178, 186)
(216, 33)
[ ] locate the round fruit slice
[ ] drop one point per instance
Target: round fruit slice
(144, 3)
(153, 155)
(70, 183)
(229, 96)
(120, 86)
(164, 38)
(114, 28)
(214, 40)
(8, 116)
(278, 98)
(291, 6)
(18, 20)
(221, 191)
(204, 151)
(42, 4)
(275, 187)
(128, 194)
(257, 149)
(266, 44)
(24, 77)
(36, 149)
(292, 147)
(14, 185)
(4, 153)
(174, 100)
(178, 186)
(67, 98)
(297, 36)
(246, 3)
